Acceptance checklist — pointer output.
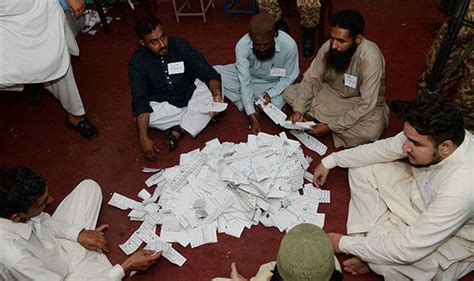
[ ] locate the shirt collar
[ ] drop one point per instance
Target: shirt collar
(277, 44)
(462, 149)
(21, 229)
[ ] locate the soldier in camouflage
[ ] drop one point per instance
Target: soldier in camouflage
(457, 77)
(309, 11)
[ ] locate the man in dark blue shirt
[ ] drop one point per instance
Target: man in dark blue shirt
(171, 83)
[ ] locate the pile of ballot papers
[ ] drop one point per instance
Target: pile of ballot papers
(224, 188)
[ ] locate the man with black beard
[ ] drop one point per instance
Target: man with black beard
(343, 89)
(266, 63)
(411, 209)
(171, 83)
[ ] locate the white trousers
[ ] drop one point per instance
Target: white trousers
(63, 88)
(81, 207)
(380, 205)
(190, 118)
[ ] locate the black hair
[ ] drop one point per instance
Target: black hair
(336, 275)
(145, 25)
(433, 116)
(19, 188)
(351, 20)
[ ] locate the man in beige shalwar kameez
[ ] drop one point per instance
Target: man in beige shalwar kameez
(343, 89)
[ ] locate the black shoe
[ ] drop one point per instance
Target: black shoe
(84, 127)
(215, 119)
(170, 138)
(282, 25)
(308, 42)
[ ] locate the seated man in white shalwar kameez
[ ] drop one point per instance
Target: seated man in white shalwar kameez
(410, 219)
(64, 246)
(35, 47)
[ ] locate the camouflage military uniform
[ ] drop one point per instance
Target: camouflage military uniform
(309, 10)
(462, 78)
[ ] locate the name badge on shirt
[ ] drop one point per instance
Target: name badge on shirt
(277, 72)
(426, 192)
(175, 67)
(350, 80)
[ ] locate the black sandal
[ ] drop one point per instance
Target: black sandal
(170, 138)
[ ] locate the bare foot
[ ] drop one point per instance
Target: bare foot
(355, 266)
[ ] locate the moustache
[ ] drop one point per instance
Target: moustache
(163, 49)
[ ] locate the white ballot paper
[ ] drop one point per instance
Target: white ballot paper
(310, 142)
(279, 117)
(124, 203)
(224, 188)
(214, 107)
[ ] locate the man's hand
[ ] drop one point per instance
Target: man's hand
(335, 238)
(266, 99)
(149, 149)
(296, 117)
(254, 125)
(216, 98)
(77, 7)
(94, 240)
(235, 275)
(141, 260)
(319, 130)
(320, 175)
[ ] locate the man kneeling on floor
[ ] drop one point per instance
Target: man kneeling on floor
(171, 82)
(64, 246)
(305, 254)
(410, 220)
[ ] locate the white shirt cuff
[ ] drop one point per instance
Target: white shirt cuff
(348, 244)
(329, 162)
(116, 273)
(73, 232)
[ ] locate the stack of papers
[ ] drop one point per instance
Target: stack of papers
(224, 188)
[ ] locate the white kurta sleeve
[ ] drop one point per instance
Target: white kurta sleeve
(381, 151)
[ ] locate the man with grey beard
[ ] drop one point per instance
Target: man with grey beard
(343, 89)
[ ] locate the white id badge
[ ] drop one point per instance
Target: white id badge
(350, 80)
(277, 72)
(175, 67)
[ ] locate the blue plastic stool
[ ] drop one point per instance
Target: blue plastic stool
(229, 4)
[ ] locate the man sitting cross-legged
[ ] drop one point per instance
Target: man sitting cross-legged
(410, 219)
(171, 82)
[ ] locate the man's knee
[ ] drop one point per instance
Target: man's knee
(90, 187)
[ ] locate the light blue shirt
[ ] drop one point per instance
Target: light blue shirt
(251, 70)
